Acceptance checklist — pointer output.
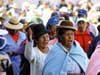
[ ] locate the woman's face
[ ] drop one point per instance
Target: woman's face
(68, 38)
(42, 42)
(53, 30)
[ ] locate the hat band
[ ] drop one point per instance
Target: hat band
(13, 23)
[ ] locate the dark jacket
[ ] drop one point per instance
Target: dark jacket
(93, 45)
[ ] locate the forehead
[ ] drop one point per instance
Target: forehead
(44, 35)
(81, 22)
(69, 31)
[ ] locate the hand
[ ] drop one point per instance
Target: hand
(29, 34)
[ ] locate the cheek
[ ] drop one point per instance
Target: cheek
(70, 37)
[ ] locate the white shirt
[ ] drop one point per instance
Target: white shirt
(35, 57)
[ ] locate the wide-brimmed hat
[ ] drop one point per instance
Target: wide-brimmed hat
(39, 30)
(3, 32)
(2, 42)
(14, 23)
(66, 24)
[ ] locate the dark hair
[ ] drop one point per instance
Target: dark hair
(99, 19)
(60, 32)
(38, 30)
(98, 27)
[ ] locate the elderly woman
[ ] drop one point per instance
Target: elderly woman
(36, 54)
(66, 57)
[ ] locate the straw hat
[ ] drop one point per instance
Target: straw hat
(14, 23)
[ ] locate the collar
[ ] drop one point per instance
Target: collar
(65, 50)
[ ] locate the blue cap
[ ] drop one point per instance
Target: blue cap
(82, 12)
(53, 20)
(55, 14)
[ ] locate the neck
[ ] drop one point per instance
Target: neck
(43, 49)
(52, 34)
(67, 47)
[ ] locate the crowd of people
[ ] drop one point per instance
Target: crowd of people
(48, 39)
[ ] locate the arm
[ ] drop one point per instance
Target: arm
(29, 52)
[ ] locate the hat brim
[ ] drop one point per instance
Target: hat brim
(67, 27)
(15, 27)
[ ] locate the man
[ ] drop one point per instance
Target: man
(82, 35)
(15, 42)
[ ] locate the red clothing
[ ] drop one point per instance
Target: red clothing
(15, 37)
(84, 39)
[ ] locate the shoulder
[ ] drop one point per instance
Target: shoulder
(76, 47)
(22, 33)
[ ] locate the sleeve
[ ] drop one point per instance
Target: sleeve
(29, 52)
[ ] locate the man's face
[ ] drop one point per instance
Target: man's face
(82, 26)
(12, 32)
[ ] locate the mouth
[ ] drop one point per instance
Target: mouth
(45, 43)
(70, 41)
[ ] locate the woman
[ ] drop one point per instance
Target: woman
(66, 57)
(36, 54)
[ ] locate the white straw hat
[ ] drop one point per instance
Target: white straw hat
(14, 23)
